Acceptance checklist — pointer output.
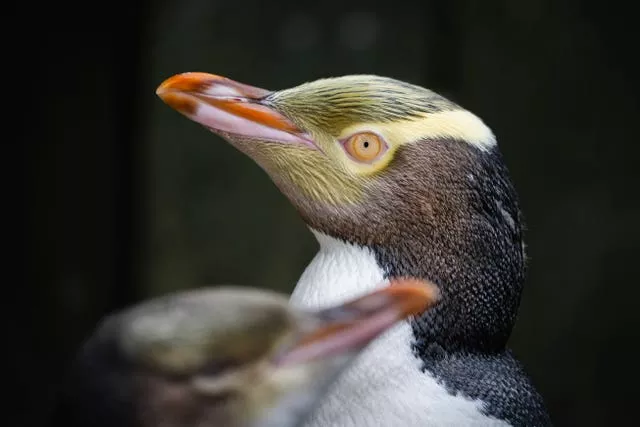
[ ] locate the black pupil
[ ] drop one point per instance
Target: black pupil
(366, 144)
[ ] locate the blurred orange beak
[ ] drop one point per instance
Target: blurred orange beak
(350, 327)
(229, 108)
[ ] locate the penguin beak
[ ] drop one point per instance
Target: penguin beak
(350, 327)
(229, 107)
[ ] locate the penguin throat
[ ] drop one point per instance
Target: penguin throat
(339, 271)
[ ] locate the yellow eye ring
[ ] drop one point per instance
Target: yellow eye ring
(365, 147)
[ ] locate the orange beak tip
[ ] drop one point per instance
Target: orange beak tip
(416, 295)
(187, 82)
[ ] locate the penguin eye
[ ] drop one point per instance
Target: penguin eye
(365, 147)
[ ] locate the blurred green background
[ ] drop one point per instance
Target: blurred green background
(127, 199)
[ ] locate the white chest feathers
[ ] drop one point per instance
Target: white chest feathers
(384, 386)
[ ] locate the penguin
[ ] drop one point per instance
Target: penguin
(223, 356)
(393, 180)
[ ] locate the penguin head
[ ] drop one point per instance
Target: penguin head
(231, 356)
(333, 142)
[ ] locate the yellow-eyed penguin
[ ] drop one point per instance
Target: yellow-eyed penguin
(393, 180)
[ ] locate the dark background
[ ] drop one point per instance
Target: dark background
(127, 199)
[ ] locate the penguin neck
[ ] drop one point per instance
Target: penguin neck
(339, 271)
(479, 302)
